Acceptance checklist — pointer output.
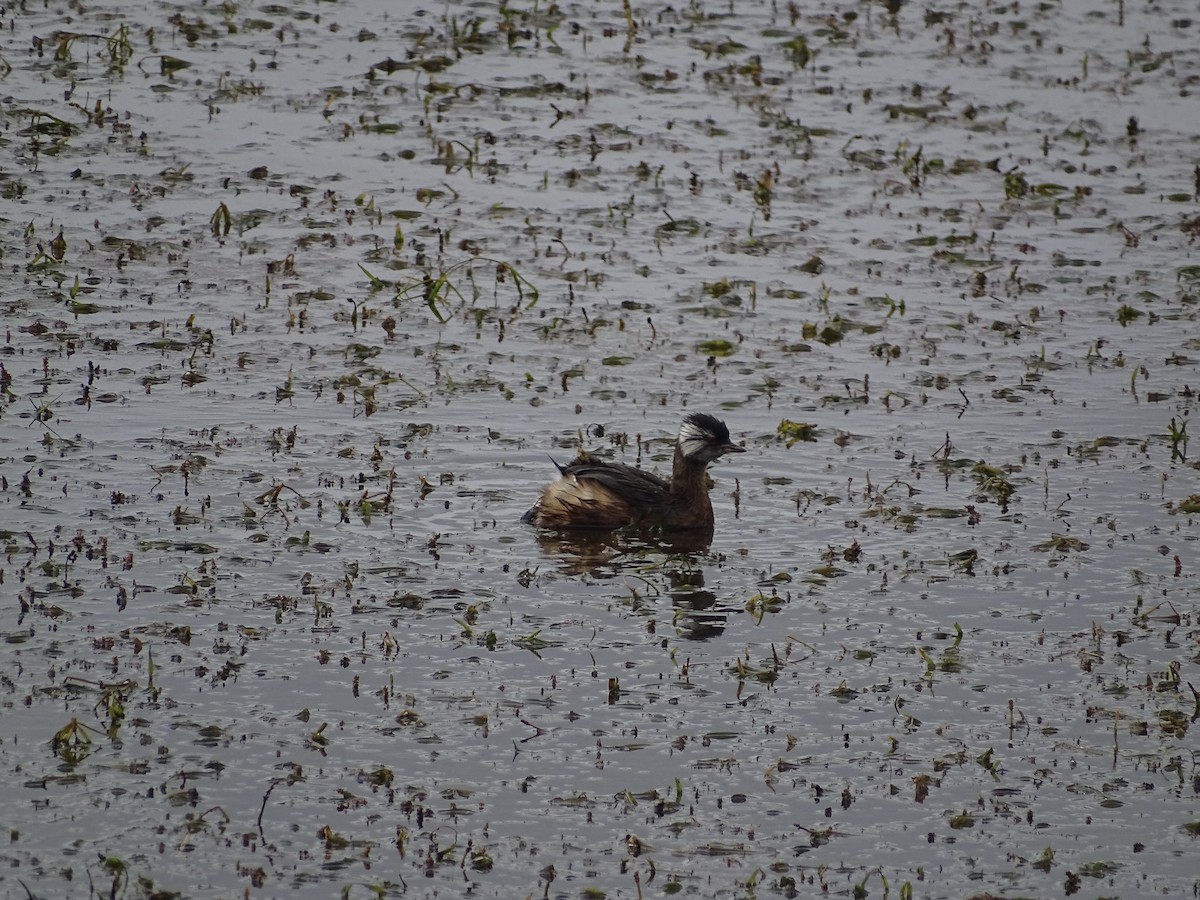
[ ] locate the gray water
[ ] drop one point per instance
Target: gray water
(334, 279)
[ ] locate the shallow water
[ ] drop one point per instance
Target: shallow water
(272, 625)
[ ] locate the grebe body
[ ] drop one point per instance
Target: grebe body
(593, 493)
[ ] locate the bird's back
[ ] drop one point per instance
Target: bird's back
(593, 493)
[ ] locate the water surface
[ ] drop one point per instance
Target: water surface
(299, 298)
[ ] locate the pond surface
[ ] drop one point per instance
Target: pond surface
(299, 297)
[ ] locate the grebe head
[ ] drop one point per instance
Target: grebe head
(703, 438)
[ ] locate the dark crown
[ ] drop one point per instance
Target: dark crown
(715, 428)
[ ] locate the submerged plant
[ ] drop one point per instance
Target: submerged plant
(436, 288)
(72, 743)
(1177, 435)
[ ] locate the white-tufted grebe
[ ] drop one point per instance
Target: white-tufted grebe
(592, 493)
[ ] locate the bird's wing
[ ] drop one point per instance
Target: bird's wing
(637, 486)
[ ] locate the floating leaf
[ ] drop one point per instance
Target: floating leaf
(716, 347)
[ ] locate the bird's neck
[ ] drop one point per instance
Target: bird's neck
(689, 480)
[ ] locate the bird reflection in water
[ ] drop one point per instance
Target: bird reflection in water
(662, 563)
